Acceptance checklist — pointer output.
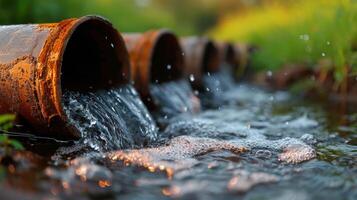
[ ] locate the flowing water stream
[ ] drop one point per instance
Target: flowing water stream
(173, 98)
(110, 119)
(215, 86)
(255, 145)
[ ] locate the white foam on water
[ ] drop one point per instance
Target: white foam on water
(178, 154)
(293, 150)
(297, 153)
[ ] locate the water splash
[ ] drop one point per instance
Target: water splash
(173, 98)
(110, 119)
(215, 85)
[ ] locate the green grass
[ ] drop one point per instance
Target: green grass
(7, 145)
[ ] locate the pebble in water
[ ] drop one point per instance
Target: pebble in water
(110, 119)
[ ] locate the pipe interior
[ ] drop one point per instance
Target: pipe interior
(167, 60)
(210, 58)
(94, 58)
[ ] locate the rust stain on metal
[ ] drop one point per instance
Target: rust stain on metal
(30, 72)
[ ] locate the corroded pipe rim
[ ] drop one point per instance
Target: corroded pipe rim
(148, 49)
(54, 112)
(229, 54)
(210, 62)
(178, 64)
(201, 57)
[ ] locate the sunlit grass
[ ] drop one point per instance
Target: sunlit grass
(303, 31)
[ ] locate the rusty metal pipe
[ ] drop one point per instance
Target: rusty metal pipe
(39, 61)
(243, 52)
(155, 57)
(201, 56)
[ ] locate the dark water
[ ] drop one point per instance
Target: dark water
(256, 145)
(173, 98)
(110, 119)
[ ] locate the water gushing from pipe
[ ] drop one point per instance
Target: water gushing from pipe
(110, 119)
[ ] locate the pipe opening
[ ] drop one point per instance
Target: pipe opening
(94, 58)
(210, 58)
(167, 60)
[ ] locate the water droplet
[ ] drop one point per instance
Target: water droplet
(304, 37)
(269, 73)
(192, 77)
(168, 67)
(323, 54)
(112, 45)
(271, 98)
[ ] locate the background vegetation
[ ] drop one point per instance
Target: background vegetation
(287, 31)
(319, 33)
(182, 16)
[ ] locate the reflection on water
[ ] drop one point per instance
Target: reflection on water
(257, 145)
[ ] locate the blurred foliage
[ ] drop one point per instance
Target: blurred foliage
(7, 144)
(301, 31)
(182, 16)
